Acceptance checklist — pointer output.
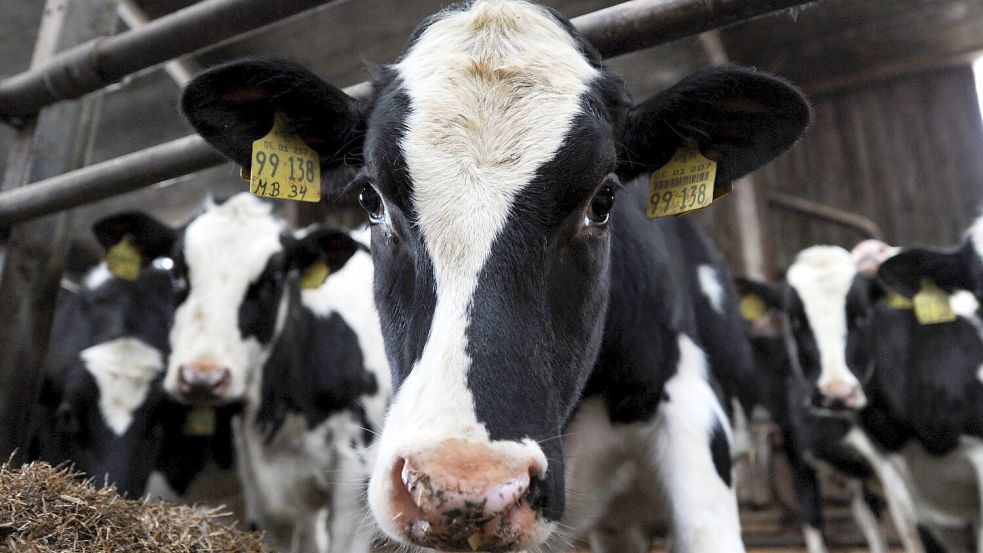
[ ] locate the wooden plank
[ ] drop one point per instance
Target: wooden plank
(56, 142)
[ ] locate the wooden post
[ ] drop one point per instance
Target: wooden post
(55, 142)
(749, 205)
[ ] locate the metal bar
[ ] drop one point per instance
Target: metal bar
(134, 17)
(58, 141)
(607, 27)
(864, 225)
(105, 60)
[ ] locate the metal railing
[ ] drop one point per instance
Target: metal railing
(614, 31)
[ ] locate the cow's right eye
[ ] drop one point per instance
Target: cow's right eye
(372, 204)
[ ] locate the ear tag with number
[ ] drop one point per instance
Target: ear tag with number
(932, 305)
(753, 308)
(897, 301)
(124, 260)
(200, 421)
(284, 167)
(315, 275)
(684, 184)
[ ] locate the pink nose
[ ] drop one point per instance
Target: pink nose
(203, 380)
(463, 496)
(841, 394)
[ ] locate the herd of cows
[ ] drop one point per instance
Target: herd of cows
(509, 359)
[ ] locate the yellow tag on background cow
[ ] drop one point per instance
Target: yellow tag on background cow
(199, 422)
(753, 308)
(932, 305)
(283, 167)
(684, 184)
(124, 260)
(315, 275)
(897, 301)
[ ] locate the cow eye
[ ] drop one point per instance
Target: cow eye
(372, 204)
(599, 210)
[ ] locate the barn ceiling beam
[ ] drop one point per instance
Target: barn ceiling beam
(107, 59)
(616, 30)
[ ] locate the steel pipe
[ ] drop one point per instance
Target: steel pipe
(863, 225)
(105, 60)
(616, 30)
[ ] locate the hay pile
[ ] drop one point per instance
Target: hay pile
(45, 509)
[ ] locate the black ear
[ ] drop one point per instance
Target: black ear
(234, 104)
(949, 270)
(769, 293)
(738, 117)
(149, 236)
(331, 245)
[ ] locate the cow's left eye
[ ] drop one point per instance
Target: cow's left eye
(599, 210)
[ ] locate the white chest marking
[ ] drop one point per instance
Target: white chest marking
(710, 285)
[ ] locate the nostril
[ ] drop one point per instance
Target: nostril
(222, 380)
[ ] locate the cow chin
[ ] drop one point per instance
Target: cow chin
(462, 495)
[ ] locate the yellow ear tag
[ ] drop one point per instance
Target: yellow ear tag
(932, 305)
(753, 308)
(284, 167)
(684, 184)
(315, 275)
(123, 259)
(897, 301)
(199, 422)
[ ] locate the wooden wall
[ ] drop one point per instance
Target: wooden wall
(907, 153)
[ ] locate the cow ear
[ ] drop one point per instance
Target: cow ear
(234, 104)
(949, 270)
(319, 253)
(769, 293)
(737, 117)
(150, 237)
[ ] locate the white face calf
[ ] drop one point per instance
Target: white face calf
(492, 152)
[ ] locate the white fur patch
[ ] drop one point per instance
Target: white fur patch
(814, 539)
(123, 370)
(704, 508)
(822, 276)
(225, 249)
(97, 276)
(710, 285)
(975, 233)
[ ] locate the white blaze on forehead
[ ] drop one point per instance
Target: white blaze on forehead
(225, 249)
(822, 276)
(123, 370)
(493, 91)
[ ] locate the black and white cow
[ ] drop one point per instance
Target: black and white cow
(544, 342)
(307, 366)
(926, 392)
(809, 435)
(101, 405)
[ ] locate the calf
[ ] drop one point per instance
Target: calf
(101, 405)
(926, 394)
(809, 434)
(307, 365)
(544, 341)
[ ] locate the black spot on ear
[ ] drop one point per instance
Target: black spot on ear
(720, 450)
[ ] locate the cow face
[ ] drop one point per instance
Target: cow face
(828, 300)
(492, 152)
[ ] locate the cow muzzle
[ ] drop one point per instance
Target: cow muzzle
(840, 396)
(464, 496)
(202, 382)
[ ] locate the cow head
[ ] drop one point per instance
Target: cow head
(234, 268)
(101, 397)
(492, 152)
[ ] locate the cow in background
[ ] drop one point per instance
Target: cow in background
(542, 337)
(101, 405)
(809, 435)
(306, 365)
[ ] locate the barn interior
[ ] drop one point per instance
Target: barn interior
(895, 151)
